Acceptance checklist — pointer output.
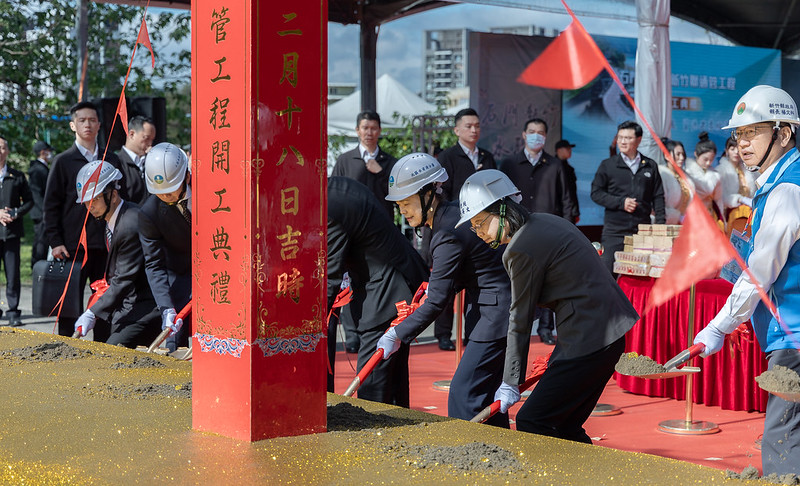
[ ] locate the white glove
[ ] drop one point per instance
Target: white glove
(389, 343)
(508, 395)
(85, 322)
(168, 321)
(712, 338)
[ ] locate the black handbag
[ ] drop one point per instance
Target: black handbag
(49, 280)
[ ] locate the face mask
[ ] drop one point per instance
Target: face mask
(534, 141)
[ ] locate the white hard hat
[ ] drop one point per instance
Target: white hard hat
(165, 168)
(88, 190)
(413, 172)
(480, 190)
(763, 104)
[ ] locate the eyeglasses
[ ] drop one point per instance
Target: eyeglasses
(748, 133)
(478, 226)
(625, 139)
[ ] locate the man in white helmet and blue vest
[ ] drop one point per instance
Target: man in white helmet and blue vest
(763, 124)
(165, 225)
(127, 303)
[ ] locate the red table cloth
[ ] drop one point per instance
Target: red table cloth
(726, 378)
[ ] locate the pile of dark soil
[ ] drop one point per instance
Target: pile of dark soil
(779, 379)
(346, 417)
(141, 391)
(472, 457)
(52, 351)
(138, 362)
(634, 364)
(751, 473)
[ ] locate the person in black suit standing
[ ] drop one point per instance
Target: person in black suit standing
(165, 230)
(63, 218)
(465, 157)
(126, 307)
(460, 262)
(15, 202)
(37, 180)
(545, 189)
(368, 163)
(550, 262)
(564, 152)
(141, 133)
(384, 269)
(629, 186)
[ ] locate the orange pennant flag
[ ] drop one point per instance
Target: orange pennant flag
(144, 38)
(569, 62)
(700, 250)
(122, 111)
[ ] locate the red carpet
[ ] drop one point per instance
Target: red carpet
(635, 429)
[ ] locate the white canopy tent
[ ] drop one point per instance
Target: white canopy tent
(392, 97)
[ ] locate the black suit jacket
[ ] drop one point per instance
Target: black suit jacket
(461, 260)
(128, 298)
(362, 240)
(166, 240)
(459, 167)
(37, 181)
(133, 178)
(15, 193)
(544, 187)
(351, 164)
(614, 181)
(63, 216)
(552, 264)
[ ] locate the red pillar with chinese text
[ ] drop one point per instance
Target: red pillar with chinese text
(259, 90)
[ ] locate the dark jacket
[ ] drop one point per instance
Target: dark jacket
(166, 239)
(133, 177)
(15, 193)
(572, 187)
(552, 264)
(614, 181)
(459, 167)
(351, 164)
(362, 240)
(461, 260)
(37, 180)
(63, 217)
(128, 298)
(544, 187)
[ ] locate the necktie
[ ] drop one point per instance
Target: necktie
(187, 215)
(109, 234)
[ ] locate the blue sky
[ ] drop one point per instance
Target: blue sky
(400, 41)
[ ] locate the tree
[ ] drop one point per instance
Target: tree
(38, 67)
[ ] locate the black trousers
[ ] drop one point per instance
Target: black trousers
(780, 445)
(9, 249)
(93, 270)
(611, 244)
(477, 378)
(39, 246)
(568, 392)
(140, 332)
(547, 320)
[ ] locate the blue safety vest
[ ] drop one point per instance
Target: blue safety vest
(785, 292)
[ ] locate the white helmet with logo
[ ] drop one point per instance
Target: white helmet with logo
(88, 190)
(480, 190)
(165, 168)
(412, 173)
(764, 104)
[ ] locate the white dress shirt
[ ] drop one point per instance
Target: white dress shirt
(472, 154)
(634, 163)
(90, 156)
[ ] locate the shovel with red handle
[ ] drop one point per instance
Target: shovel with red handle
(684, 356)
(187, 309)
(403, 310)
(539, 367)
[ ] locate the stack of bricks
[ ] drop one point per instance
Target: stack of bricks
(646, 253)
